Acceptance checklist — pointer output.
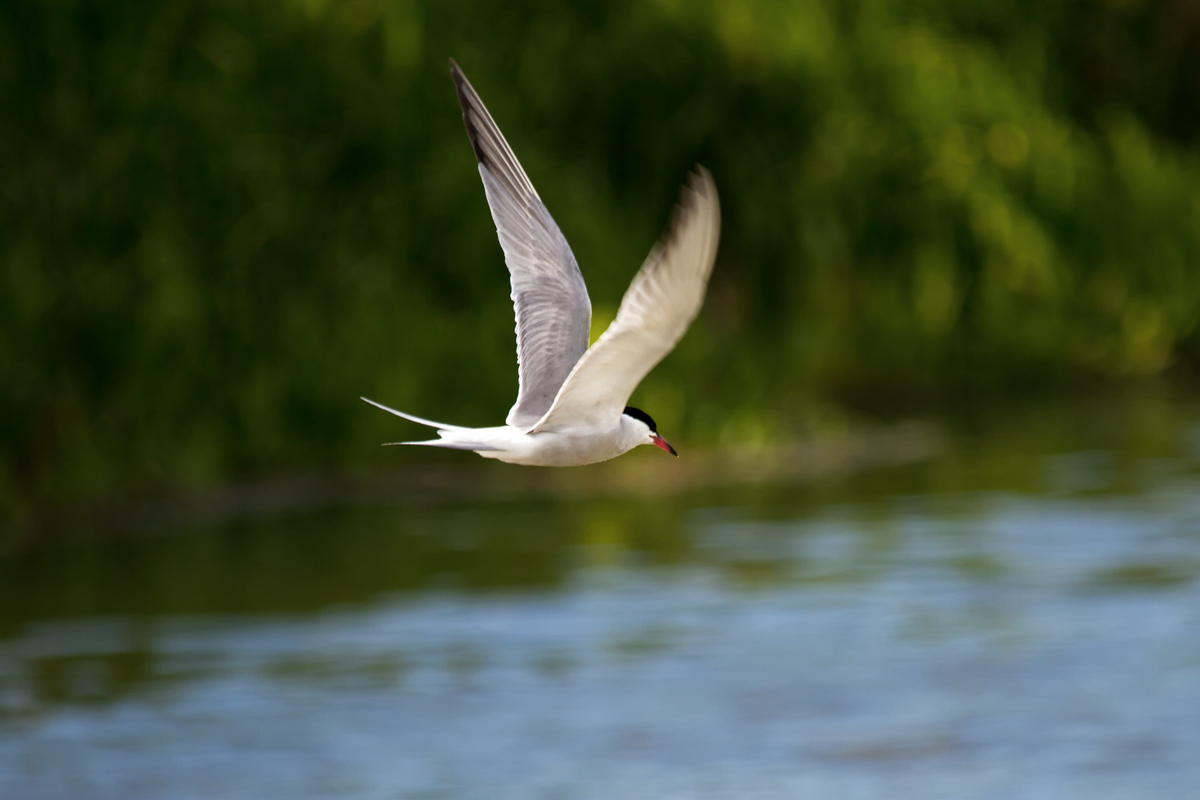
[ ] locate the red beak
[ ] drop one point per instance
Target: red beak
(665, 445)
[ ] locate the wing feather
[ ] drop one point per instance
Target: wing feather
(554, 315)
(657, 309)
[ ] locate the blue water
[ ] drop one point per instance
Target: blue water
(861, 643)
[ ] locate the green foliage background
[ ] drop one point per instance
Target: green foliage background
(221, 222)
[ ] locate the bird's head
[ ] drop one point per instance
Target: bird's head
(652, 436)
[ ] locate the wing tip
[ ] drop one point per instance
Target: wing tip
(468, 99)
(472, 107)
(700, 182)
(698, 194)
(460, 78)
(492, 151)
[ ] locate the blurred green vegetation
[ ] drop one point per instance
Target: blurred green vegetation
(221, 222)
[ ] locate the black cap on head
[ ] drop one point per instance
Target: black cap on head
(637, 413)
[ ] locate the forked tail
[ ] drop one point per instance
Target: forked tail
(450, 444)
(440, 425)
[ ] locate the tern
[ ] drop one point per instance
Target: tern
(571, 401)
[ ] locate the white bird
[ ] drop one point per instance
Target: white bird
(571, 405)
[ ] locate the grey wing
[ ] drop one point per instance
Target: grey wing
(554, 316)
(657, 309)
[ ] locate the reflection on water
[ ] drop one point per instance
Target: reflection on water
(1019, 618)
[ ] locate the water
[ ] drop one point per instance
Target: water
(1017, 618)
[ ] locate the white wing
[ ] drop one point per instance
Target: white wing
(554, 316)
(661, 302)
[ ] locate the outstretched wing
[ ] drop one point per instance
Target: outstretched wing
(661, 302)
(554, 316)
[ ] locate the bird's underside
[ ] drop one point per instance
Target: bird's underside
(543, 449)
(571, 402)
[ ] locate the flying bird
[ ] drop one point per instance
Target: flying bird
(571, 402)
